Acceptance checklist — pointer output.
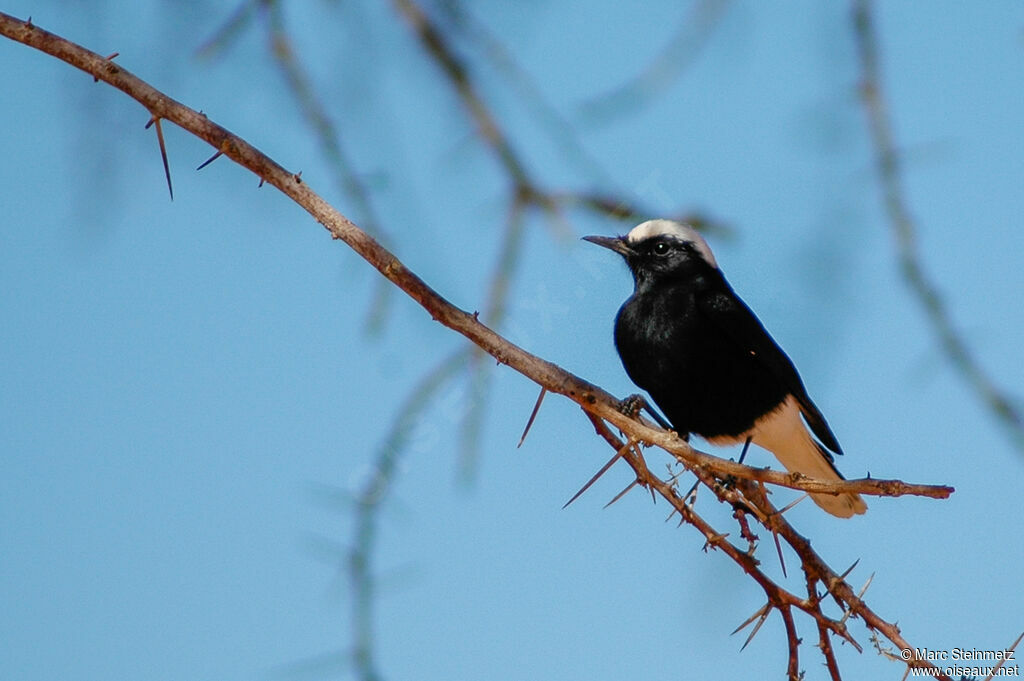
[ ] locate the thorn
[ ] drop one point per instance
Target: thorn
(778, 549)
(750, 619)
(635, 445)
(852, 641)
(597, 475)
(763, 613)
(710, 543)
(622, 493)
(849, 570)
(262, 180)
(533, 415)
(794, 503)
(757, 627)
(163, 151)
(210, 160)
(640, 457)
(863, 590)
(110, 56)
(298, 177)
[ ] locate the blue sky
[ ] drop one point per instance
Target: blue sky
(186, 385)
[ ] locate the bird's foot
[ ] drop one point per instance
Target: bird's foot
(634, 404)
(729, 481)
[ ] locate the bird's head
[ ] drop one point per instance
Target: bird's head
(660, 250)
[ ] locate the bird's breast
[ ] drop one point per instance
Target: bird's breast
(697, 374)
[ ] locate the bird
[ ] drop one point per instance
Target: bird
(689, 341)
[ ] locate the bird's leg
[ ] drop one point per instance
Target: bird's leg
(663, 423)
(730, 481)
(746, 446)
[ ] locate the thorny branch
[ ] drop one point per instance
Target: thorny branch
(746, 494)
(904, 228)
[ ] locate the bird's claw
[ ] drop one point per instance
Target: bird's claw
(632, 405)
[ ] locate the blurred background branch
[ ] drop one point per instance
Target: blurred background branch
(904, 229)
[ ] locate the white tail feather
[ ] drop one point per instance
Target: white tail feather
(784, 434)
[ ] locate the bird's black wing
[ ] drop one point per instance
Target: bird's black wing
(730, 314)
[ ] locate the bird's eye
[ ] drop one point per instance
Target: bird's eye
(661, 248)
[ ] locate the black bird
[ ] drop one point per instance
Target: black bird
(686, 338)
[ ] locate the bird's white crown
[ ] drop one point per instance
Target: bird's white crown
(671, 228)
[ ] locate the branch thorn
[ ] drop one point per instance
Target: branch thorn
(597, 475)
(849, 570)
(760, 612)
(163, 151)
(533, 415)
(623, 492)
(763, 612)
(778, 549)
(110, 56)
(210, 160)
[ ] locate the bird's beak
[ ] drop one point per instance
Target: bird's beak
(614, 243)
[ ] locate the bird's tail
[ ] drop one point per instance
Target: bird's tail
(784, 434)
